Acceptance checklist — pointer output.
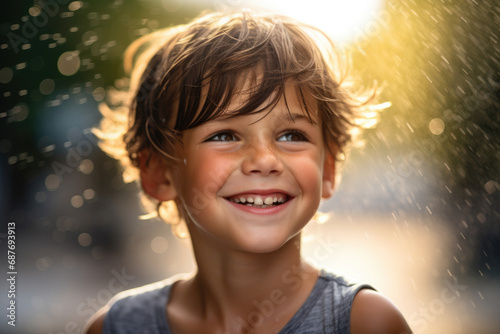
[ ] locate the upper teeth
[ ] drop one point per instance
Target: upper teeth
(257, 200)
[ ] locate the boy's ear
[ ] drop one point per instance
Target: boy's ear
(156, 177)
(328, 176)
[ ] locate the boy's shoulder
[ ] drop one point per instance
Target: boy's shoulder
(130, 306)
(373, 313)
(368, 310)
(340, 305)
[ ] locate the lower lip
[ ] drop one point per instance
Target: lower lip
(261, 211)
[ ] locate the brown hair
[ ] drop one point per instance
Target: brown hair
(187, 75)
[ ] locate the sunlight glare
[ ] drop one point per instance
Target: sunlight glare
(342, 20)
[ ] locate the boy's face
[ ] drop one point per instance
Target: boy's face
(252, 183)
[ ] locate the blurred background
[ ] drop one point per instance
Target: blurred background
(417, 211)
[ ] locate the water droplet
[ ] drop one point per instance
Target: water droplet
(20, 66)
(481, 217)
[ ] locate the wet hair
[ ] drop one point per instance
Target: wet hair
(184, 76)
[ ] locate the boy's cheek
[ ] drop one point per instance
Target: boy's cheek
(205, 176)
(306, 167)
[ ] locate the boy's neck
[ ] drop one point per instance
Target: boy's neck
(230, 284)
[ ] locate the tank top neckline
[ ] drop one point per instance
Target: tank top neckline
(305, 308)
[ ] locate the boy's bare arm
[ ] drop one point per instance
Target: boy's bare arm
(372, 313)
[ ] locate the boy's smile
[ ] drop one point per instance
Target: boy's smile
(260, 199)
(261, 202)
(253, 182)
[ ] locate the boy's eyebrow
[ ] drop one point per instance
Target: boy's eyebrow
(287, 116)
(298, 117)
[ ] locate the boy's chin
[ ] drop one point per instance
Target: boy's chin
(264, 244)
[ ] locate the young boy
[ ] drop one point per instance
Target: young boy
(234, 129)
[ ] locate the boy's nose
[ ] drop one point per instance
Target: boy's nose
(262, 159)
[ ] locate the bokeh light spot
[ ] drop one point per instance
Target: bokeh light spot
(69, 63)
(436, 126)
(97, 253)
(47, 86)
(40, 197)
(35, 11)
(43, 263)
(12, 160)
(75, 5)
(491, 186)
(89, 194)
(159, 245)
(89, 37)
(64, 223)
(6, 75)
(19, 113)
(52, 182)
(99, 93)
(86, 166)
(77, 201)
(84, 239)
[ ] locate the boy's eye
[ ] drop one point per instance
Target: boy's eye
(223, 136)
(293, 136)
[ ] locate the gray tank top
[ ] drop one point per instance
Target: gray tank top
(327, 309)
